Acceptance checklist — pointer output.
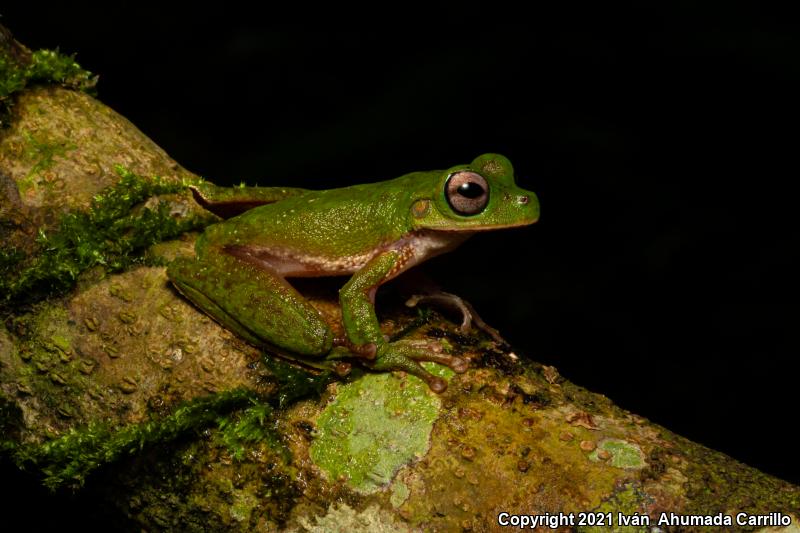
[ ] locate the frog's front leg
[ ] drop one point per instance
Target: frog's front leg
(357, 299)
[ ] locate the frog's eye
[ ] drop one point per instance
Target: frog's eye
(466, 192)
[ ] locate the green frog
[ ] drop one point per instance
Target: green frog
(370, 232)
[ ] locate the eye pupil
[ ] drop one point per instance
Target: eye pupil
(470, 189)
(467, 192)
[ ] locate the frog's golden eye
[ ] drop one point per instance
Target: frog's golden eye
(467, 192)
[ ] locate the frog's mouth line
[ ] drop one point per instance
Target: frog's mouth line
(488, 227)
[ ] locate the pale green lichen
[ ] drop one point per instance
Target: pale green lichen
(400, 493)
(344, 519)
(624, 454)
(374, 426)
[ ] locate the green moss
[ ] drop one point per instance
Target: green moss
(295, 383)
(243, 504)
(61, 343)
(42, 151)
(44, 67)
(111, 234)
(46, 341)
(373, 519)
(397, 413)
(70, 458)
(9, 259)
(185, 486)
(254, 424)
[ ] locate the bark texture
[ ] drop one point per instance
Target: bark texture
(195, 430)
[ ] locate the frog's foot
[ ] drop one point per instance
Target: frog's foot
(344, 348)
(406, 356)
(468, 314)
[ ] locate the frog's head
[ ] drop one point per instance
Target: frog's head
(475, 197)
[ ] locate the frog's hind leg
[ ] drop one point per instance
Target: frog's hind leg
(227, 202)
(252, 301)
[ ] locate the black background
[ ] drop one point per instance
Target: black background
(661, 143)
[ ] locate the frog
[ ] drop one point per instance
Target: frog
(371, 232)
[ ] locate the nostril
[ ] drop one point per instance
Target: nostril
(523, 199)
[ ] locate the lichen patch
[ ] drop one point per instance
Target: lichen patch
(374, 426)
(619, 453)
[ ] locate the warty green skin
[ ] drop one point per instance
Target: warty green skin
(371, 231)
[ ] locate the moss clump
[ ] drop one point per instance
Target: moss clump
(295, 383)
(70, 458)
(44, 67)
(111, 233)
(254, 424)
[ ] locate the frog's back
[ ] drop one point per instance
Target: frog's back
(349, 222)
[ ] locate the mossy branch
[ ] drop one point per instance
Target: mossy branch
(507, 435)
(111, 233)
(73, 456)
(242, 416)
(18, 71)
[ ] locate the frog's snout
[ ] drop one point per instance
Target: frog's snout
(529, 204)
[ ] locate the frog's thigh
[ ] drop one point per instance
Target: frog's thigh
(255, 303)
